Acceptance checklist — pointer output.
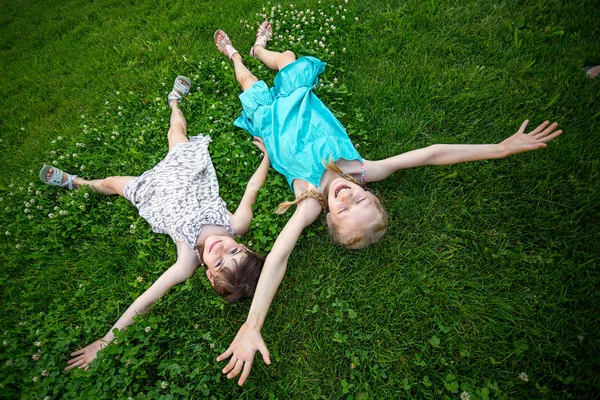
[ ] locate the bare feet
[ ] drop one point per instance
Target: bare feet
(224, 44)
(263, 35)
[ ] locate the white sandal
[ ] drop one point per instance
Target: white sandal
(224, 43)
(56, 179)
(263, 35)
(180, 89)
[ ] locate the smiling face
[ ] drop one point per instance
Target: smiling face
(355, 218)
(350, 206)
(222, 252)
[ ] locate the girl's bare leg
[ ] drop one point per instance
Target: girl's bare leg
(242, 74)
(274, 59)
(178, 124)
(107, 186)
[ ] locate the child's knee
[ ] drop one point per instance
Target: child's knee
(176, 131)
(111, 183)
(285, 58)
(247, 80)
(289, 54)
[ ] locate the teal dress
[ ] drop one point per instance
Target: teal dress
(298, 130)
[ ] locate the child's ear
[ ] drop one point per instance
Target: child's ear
(211, 277)
(375, 197)
(328, 218)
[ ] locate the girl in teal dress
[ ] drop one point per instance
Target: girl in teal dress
(310, 147)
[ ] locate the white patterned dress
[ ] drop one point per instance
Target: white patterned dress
(181, 193)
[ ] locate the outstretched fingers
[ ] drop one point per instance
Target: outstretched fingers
(225, 355)
(237, 368)
(551, 137)
(245, 373)
(230, 365)
(545, 132)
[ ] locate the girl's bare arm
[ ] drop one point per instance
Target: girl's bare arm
(447, 154)
(240, 220)
(248, 338)
(184, 267)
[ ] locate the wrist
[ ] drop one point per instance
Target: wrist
(502, 150)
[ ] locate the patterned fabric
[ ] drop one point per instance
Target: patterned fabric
(181, 193)
(298, 130)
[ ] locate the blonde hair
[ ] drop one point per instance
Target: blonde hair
(351, 240)
(369, 235)
(283, 207)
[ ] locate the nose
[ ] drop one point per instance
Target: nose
(219, 248)
(346, 195)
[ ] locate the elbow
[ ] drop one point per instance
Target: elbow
(433, 154)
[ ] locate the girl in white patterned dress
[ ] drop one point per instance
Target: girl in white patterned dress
(180, 197)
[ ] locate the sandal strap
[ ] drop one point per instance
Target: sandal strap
(57, 177)
(180, 89)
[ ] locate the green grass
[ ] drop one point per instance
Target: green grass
(489, 269)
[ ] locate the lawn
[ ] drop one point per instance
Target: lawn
(485, 286)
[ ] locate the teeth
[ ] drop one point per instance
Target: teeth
(340, 190)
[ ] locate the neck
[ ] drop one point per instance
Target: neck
(326, 179)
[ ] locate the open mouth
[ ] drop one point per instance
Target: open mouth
(340, 188)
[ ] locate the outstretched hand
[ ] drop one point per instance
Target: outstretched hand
(258, 142)
(83, 357)
(534, 140)
(242, 350)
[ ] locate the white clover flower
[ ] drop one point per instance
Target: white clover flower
(22, 128)
(51, 215)
(45, 373)
(157, 99)
(36, 357)
(356, 19)
(30, 216)
(37, 344)
(82, 116)
(35, 379)
(56, 208)
(5, 343)
(523, 376)
(139, 278)
(8, 363)
(465, 396)
(82, 168)
(148, 329)
(130, 92)
(47, 398)
(59, 138)
(164, 385)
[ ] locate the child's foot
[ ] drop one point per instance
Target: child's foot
(592, 71)
(55, 177)
(181, 87)
(263, 35)
(224, 44)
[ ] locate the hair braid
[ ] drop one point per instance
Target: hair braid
(331, 166)
(283, 207)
